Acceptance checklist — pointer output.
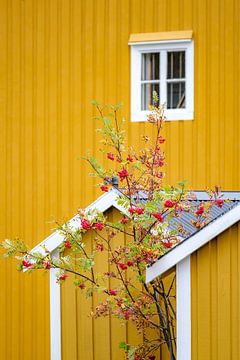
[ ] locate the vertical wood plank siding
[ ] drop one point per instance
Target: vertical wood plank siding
(57, 55)
(92, 339)
(215, 298)
(99, 339)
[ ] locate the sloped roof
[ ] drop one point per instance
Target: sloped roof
(220, 219)
(186, 218)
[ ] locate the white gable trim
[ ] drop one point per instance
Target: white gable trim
(183, 308)
(102, 204)
(192, 244)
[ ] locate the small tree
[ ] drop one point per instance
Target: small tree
(148, 208)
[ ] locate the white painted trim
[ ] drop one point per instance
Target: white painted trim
(55, 314)
(162, 46)
(102, 204)
(183, 308)
(192, 244)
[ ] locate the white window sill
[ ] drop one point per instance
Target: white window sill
(171, 115)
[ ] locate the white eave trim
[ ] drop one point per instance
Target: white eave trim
(102, 204)
(192, 244)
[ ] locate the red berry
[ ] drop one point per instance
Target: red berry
(130, 263)
(123, 174)
(110, 156)
(130, 158)
(219, 203)
(99, 247)
(158, 216)
(63, 277)
(123, 220)
(46, 264)
(152, 357)
(200, 210)
(167, 244)
(67, 244)
(169, 203)
(85, 224)
(99, 226)
(112, 292)
(127, 315)
(131, 209)
(122, 266)
(139, 211)
(161, 140)
(104, 188)
(27, 264)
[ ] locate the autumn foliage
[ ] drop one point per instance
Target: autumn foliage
(148, 206)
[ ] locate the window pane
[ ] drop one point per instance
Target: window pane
(176, 64)
(176, 95)
(147, 95)
(150, 66)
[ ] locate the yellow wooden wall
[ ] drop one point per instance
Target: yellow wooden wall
(215, 298)
(57, 55)
(98, 339)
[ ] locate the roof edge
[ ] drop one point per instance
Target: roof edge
(103, 203)
(193, 243)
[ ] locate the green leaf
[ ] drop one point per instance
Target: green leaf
(182, 183)
(123, 345)
(131, 353)
(95, 103)
(155, 98)
(141, 279)
(117, 106)
(89, 292)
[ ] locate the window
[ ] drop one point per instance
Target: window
(165, 67)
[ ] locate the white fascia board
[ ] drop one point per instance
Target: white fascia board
(102, 204)
(192, 244)
(55, 314)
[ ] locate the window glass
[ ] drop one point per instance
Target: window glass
(176, 64)
(150, 66)
(147, 95)
(176, 95)
(175, 72)
(150, 75)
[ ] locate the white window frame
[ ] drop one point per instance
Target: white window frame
(162, 47)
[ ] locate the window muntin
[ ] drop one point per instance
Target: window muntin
(166, 68)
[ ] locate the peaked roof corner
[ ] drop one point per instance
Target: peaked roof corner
(102, 203)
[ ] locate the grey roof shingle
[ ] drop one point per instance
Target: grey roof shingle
(232, 199)
(185, 219)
